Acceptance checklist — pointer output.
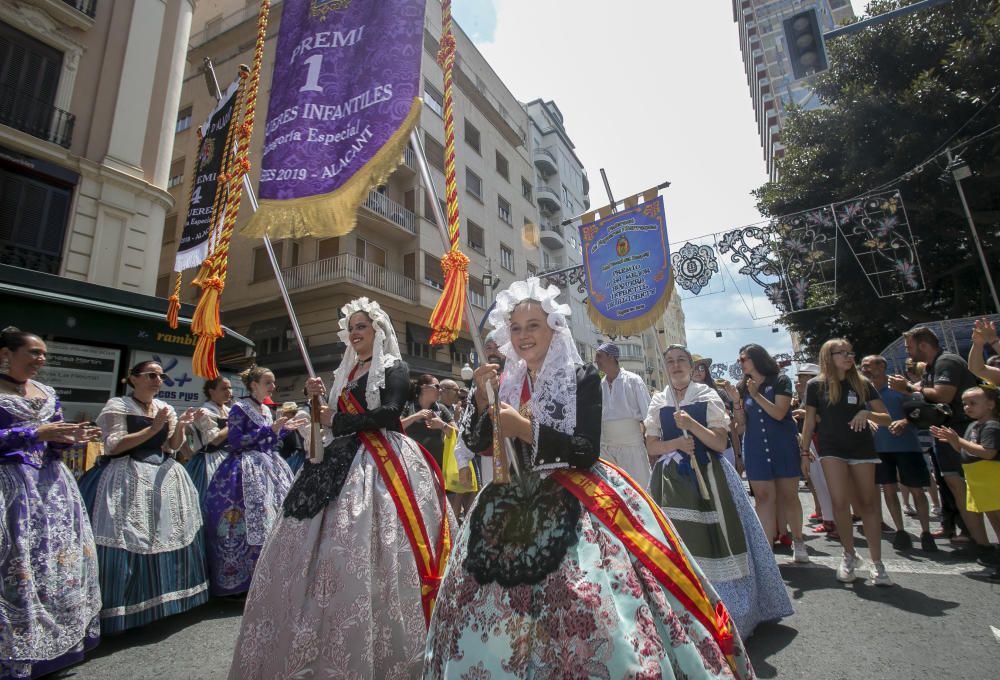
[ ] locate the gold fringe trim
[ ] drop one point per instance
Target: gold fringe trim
(335, 213)
(632, 326)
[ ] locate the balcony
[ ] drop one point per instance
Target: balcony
(546, 162)
(383, 206)
(586, 183)
(36, 117)
(217, 27)
(29, 258)
(347, 268)
(551, 236)
(548, 200)
(88, 7)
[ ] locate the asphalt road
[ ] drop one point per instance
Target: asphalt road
(940, 620)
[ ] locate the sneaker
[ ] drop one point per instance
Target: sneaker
(902, 541)
(909, 511)
(799, 552)
(927, 543)
(815, 515)
(879, 577)
(821, 528)
(845, 572)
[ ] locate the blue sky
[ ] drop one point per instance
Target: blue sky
(651, 91)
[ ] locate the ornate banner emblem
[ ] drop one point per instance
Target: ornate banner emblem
(345, 95)
(626, 261)
(694, 267)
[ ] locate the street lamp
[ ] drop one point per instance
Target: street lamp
(467, 374)
(959, 170)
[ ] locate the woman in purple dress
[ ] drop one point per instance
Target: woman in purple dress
(50, 599)
(244, 496)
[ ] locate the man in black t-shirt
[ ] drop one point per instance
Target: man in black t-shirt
(945, 378)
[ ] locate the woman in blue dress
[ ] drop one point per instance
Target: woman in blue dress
(568, 571)
(212, 430)
(687, 426)
(50, 599)
(244, 496)
(144, 509)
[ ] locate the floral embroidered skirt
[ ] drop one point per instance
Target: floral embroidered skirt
(726, 538)
(234, 537)
(598, 612)
(336, 592)
(49, 593)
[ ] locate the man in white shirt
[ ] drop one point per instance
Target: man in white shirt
(625, 405)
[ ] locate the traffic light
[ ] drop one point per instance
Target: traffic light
(805, 43)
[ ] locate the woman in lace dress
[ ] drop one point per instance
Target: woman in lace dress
(50, 599)
(346, 580)
(569, 571)
(212, 430)
(244, 496)
(688, 425)
(144, 509)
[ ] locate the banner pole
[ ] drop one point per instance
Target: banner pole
(470, 319)
(213, 86)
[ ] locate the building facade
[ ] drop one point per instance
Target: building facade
(393, 253)
(773, 88)
(88, 98)
(562, 191)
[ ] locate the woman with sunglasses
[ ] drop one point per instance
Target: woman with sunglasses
(840, 402)
(770, 446)
(425, 418)
(144, 509)
(49, 593)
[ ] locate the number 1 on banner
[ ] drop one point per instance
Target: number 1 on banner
(312, 77)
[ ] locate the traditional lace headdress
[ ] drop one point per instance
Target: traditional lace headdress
(385, 351)
(553, 401)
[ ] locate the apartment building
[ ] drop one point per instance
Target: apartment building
(773, 88)
(393, 255)
(88, 98)
(562, 192)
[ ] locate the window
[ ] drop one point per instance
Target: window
(507, 258)
(33, 219)
(473, 184)
(476, 237)
(503, 167)
(428, 209)
(477, 292)
(433, 99)
(503, 209)
(416, 348)
(169, 229)
(369, 252)
(410, 266)
(432, 272)
(526, 190)
(183, 119)
(434, 151)
(175, 180)
(532, 269)
(472, 136)
(327, 248)
(262, 269)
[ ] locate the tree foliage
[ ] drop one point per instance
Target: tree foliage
(894, 95)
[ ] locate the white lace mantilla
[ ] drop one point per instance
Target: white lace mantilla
(553, 397)
(385, 351)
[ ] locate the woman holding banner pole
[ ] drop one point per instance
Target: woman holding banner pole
(348, 576)
(548, 578)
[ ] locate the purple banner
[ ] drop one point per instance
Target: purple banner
(346, 77)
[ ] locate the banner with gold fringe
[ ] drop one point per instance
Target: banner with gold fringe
(626, 264)
(344, 98)
(446, 319)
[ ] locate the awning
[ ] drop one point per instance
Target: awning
(463, 346)
(55, 306)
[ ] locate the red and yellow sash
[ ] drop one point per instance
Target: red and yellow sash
(668, 563)
(430, 563)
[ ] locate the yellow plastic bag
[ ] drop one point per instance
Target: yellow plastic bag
(982, 480)
(452, 483)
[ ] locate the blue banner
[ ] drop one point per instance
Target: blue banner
(626, 261)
